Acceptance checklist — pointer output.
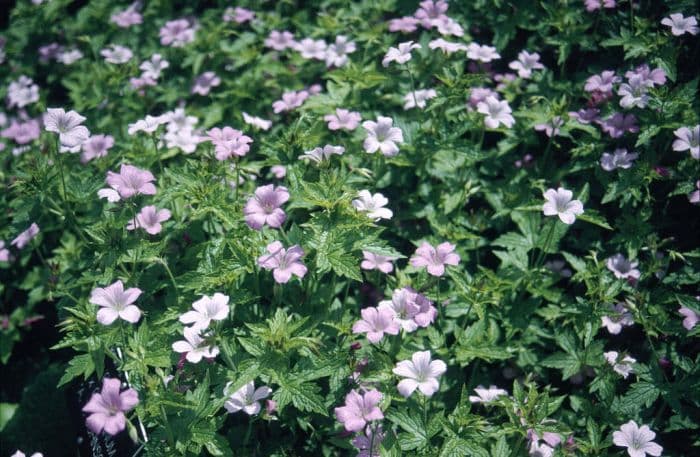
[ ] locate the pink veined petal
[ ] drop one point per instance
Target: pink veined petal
(277, 218)
(429, 387)
(436, 270)
(298, 269)
(374, 336)
(354, 424)
(567, 218)
(576, 207)
(190, 317)
(388, 148)
(182, 346)
(437, 368)
(95, 404)
(653, 449)
(107, 316)
(131, 295)
(282, 276)
(405, 368)
(451, 259)
(130, 314)
(252, 409)
(374, 414)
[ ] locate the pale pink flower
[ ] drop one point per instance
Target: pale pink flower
(149, 219)
(131, 181)
(4, 252)
(623, 268)
(526, 63)
(421, 373)
(246, 399)
(283, 262)
(337, 53)
(153, 68)
(379, 262)
(680, 24)
(49, 51)
(550, 128)
(592, 5)
(115, 302)
(406, 24)
(319, 154)
(238, 15)
(633, 93)
(620, 158)
(375, 323)
(207, 309)
(184, 139)
(311, 49)
(404, 306)
(279, 171)
(447, 47)
(496, 112)
(177, 33)
(448, 26)
(688, 139)
(204, 82)
(22, 92)
(418, 98)
(691, 317)
(195, 346)
(373, 205)
(694, 196)
(649, 77)
(343, 119)
(430, 11)
(559, 203)
(618, 318)
(255, 121)
(127, 18)
(638, 440)
(95, 147)
(279, 41)
(117, 54)
(229, 142)
(482, 53)
(25, 237)
(484, 395)
(618, 124)
(585, 115)
(107, 408)
(622, 365)
(540, 450)
(400, 55)
(68, 126)
(290, 100)
(369, 443)
(602, 82)
(359, 409)
(23, 132)
(69, 57)
(480, 94)
(382, 136)
(435, 258)
(264, 207)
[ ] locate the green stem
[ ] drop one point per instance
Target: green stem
(155, 148)
(168, 430)
(413, 85)
(543, 252)
(172, 280)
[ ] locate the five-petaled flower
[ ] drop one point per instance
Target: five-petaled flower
(375, 323)
(68, 126)
(207, 309)
(149, 219)
(283, 262)
(497, 112)
(264, 207)
(343, 119)
(382, 136)
(131, 181)
(623, 268)
(359, 409)
(107, 408)
(379, 262)
(115, 302)
(421, 373)
(195, 346)
(559, 203)
(681, 25)
(638, 440)
(435, 258)
(688, 139)
(400, 55)
(484, 395)
(246, 399)
(372, 205)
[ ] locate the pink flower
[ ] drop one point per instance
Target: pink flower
(115, 302)
(229, 142)
(279, 171)
(337, 53)
(25, 237)
(264, 207)
(4, 252)
(694, 196)
(649, 77)
(195, 346)
(131, 181)
(620, 158)
(496, 112)
(379, 262)
(343, 119)
(623, 268)
(680, 24)
(369, 443)
(482, 53)
(311, 49)
(435, 259)
(550, 128)
(279, 41)
(290, 100)
(177, 33)
(559, 203)
(688, 139)
(618, 124)
(117, 54)
(484, 395)
(207, 309)
(406, 24)
(149, 219)
(96, 146)
(382, 136)
(400, 55)
(418, 98)
(107, 408)
(691, 317)
(68, 126)
(127, 18)
(526, 63)
(421, 373)
(480, 94)
(246, 399)
(238, 15)
(447, 47)
(585, 116)
(22, 92)
(283, 262)
(619, 317)
(592, 5)
(430, 11)
(359, 409)
(375, 323)
(22, 132)
(637, 440)
(204, 82)
(602, 82)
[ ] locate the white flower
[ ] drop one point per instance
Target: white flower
(559, 203)
(621, 366)
(337, 53)
(207, 309)
(195, 346)
(67, 125)
(382, 136)
(418, 98)
(247, 398)
(255, 121)
(420, 373)
(680, 25)
(482, 53)
(152, 68)
(373, 205)
(637, 440)
(117, 54)
(312, 49)
(148, 125)
(186, 140)
(634, 93)
(448, 26)
(484, 395)
(688, 139)
(20, 453)
(447, 47)
(526, 63)
(22, 92)
(623, 268)
(620, 158)
(69, 57)
(110, 194)
(497, 112)
(619, 317)
(540, 450)
(402, 54)
(320, 154)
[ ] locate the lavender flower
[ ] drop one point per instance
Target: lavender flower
(618, 124)
(195, 346)
(637, 440)
(484, 395)
(618, 318)
(115, 302)
(496, 112)
(375, 323)
(359, 409)
(680, 24)
(207, 309)
(246, 399)
(623, 268)
(68, 126)
(117, 54)
(95, 147)
(526, 63)
(379, 262)
(229, 142)
(691, 317)
(22, 92)
(373, 205)
(622, 365)
(343, 119)
(421, 373)
(283, 262)
(25, 237)
(620, 158)
(400, 55)
(264, 207)
(382, 136)
(482, 53)
(107, 408)
(149, 219)
(688, 139)
(131, 181)
(559, 203)
(204, 82)
(435, 258)
(177, 33)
